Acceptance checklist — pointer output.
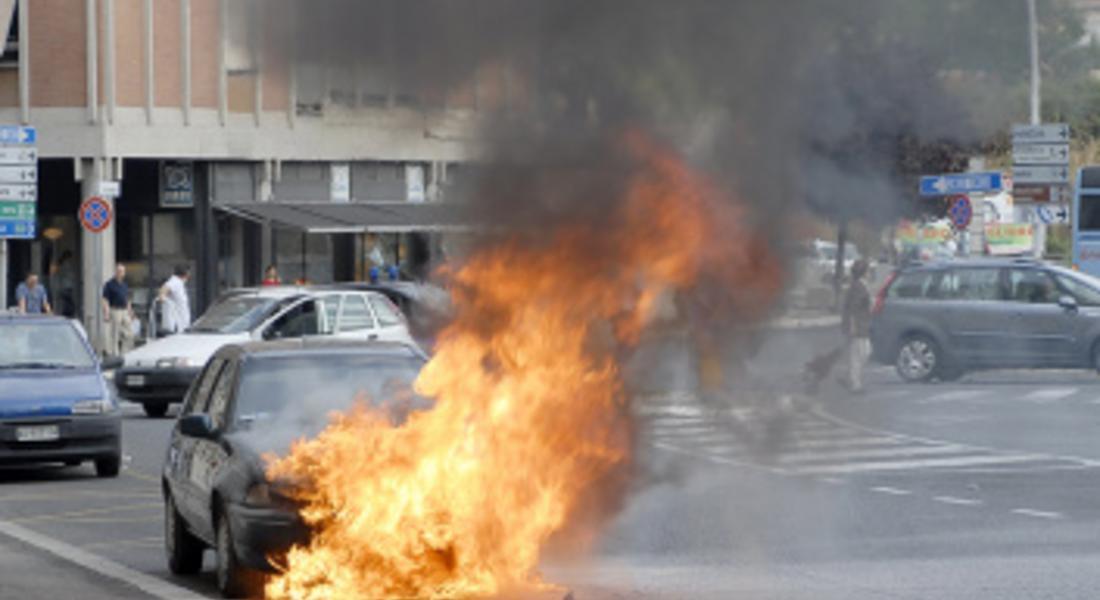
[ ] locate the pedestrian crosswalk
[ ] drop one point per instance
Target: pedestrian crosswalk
(981, 395)
(813, 443)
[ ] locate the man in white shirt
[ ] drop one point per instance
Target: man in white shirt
(175, 306)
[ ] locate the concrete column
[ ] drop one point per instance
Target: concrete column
(97, 254)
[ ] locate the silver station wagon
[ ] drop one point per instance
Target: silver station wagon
(940, 320)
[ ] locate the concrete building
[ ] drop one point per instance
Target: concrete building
(227, 161)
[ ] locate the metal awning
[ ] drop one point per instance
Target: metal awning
(375, 217)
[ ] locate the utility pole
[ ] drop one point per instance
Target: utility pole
(1036, 82)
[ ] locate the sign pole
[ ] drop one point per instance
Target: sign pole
(3, 274)
(98, 259)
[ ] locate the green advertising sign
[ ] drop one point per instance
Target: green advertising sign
(17, 210)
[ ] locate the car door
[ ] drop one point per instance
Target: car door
(392, 326)
(1045, 332)
(301, 319)
(182, 449)
(356, 319)
(975, 315)
(210, 456)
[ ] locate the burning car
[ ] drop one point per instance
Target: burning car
(254, 399)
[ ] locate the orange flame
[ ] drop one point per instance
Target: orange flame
(530, 412)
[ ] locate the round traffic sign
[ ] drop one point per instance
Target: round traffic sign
(95, 214)
(960, 211)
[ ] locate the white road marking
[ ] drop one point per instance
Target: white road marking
(1048, 395)
(958, 501)
(1040, 514)
(954, 396)
(863, 441)
(681, 431)
(926, 463)
(893, 491)
(108, 568)
(892, 452)
(831, 480)
(674, 410)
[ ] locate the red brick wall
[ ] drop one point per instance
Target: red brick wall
(129, 57)
(166, 52)
(57, 53)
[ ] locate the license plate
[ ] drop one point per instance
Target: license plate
(37, 433)
(135, 380)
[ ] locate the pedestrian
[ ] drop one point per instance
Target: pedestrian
(393, 272)
(856, 324)
(271, 276)
(175, 306)
(118, 314)
(32, 296)
(373, 274)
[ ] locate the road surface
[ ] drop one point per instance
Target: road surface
(984, 488)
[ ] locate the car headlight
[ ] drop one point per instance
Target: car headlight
(259, 494)
(174, 362)
(95, 406)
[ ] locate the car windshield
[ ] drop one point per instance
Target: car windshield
(234, 315)
(301, 391)
(52, 345)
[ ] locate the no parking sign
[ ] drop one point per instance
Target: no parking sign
(95, 214)
(960, 211)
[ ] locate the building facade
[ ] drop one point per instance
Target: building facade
(227, 160)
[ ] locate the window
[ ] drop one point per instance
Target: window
(1085, 294)
(300, 321)
(1032, 286)
(330, 306)
(385, 311)
(355, 315)
(196, 402)
(912, 285)
(223, 391)
(1089, 217)
(240, 33)
(971, 284)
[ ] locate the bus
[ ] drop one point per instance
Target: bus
(1086, 221)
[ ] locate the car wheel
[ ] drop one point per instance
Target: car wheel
(108, 467)
(234, 579)
(155, 410)
(918, 358)
(184, 550)
(948, 373)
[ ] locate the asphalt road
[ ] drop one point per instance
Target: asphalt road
(984, 488)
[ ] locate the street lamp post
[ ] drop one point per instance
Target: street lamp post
(1036, 82)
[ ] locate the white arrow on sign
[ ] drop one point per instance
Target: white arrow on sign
(18, 174)
(26, 193)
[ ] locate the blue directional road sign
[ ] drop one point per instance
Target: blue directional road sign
(17, 229)
(18, 135)
(960, 183)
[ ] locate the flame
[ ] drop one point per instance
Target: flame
(530, 413)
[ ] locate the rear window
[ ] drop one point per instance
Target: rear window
(912, 285)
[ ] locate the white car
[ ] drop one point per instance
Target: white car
(159, 373)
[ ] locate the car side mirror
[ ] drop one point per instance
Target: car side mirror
(197, 426)
(1068, 302)
(111, 363)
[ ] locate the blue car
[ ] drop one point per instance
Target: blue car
(55, 406)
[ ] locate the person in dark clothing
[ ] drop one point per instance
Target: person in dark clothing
(118, 314)
(856, 324)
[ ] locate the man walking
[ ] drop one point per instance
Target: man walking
(175, 306)
(856, 324)
(118, 314)
(32, 297)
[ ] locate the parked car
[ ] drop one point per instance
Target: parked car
(249, 400)
(55, 406)
(426, 307)
(159, 373)
(940, 320)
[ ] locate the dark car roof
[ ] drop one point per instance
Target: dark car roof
(11, 317)
(309, 346)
